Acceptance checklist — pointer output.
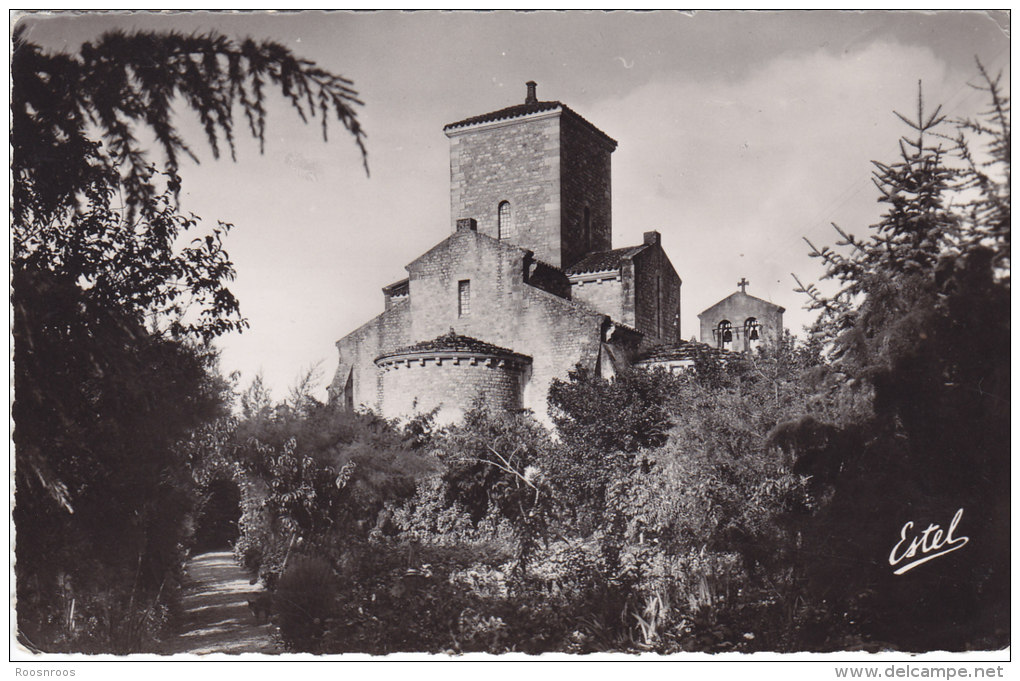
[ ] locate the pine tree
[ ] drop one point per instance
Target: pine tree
(886, 276)
(988, 213)
(920, 324)
(90, 206)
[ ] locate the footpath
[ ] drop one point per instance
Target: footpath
(216, 616)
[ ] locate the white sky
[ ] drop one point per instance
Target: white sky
(739, 133)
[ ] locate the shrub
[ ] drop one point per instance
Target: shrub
(494, 466)
(305, 602)
(314, 474)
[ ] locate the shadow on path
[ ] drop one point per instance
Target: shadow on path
(216, 616)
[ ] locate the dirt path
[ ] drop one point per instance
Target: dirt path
(216, 615)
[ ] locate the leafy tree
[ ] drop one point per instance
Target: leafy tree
(497, 464)
(77, 157)
(256, 400)
(603, 423)
(619, 415)
(112, 312)
(683, 502)
(319, 477)
(102, 488)
(300, 398)
(136, 266)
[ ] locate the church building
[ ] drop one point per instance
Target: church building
(526, 286)
(741, 322)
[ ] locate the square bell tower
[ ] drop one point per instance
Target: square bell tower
(536, 175)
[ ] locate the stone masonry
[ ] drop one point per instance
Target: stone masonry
(551, 166)
(635, 285)
(741, 313)
(449, 372)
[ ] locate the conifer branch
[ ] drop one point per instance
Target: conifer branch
(123, 82)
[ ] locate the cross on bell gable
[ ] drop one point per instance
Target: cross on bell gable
(743, 284)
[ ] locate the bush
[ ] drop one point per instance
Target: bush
(624, 414)
(313, 474)
(305, 602)
(494, 466)
(429, 517)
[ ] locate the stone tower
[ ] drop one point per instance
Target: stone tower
(536, 175)
(525, 288)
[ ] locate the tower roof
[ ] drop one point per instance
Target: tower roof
(530, 106)
(515, 111)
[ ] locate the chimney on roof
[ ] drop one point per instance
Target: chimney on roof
(652, 238)
(532, 98)
(469, 224)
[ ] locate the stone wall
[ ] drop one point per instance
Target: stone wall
(586, 181)
(451, 386)
(504, 310)
(358, 350)
(516, 161)
(554, 169)
(737, 308)
(656, 293)
(558, 335)
(643, 293)
(602, 292)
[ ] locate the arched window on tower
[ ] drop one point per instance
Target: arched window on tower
(724, 335)
(752, 333)
(505, 221)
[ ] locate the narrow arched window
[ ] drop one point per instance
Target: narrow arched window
(724, 334)
(752, 333)
(463, 298)
(505, 221)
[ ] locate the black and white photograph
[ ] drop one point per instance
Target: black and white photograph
(511, 336)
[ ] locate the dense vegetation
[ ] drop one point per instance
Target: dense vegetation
(115, 381)
(749, 504)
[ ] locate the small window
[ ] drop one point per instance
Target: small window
(506, 221)
(724, 334)
(463, 298)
